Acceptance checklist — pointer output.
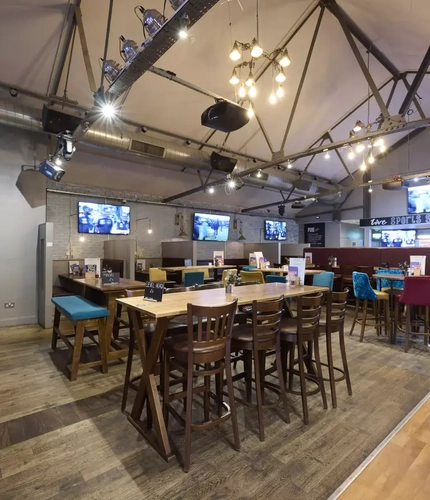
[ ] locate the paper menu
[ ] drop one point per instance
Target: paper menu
(297, 266)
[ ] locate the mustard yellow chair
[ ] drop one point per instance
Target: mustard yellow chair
(246, 276)
(225, 272)
(156, 274)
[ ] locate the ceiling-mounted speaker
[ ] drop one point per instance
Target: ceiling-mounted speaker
(222, 163)
(55, 122)
(225, 117)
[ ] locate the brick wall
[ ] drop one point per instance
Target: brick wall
(62, 211)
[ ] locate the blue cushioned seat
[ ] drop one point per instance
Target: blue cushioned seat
(324, 279)
(77, 308)
(273, 278)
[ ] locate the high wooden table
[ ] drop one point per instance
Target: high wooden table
(105, 296)
(175, 305)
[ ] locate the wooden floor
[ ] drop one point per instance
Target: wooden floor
(401, 470)
(63, 440)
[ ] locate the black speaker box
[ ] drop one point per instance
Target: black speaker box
(55, 122)
(225, 117)
(222, 163)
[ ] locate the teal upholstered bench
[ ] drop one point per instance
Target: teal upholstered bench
(85, 317)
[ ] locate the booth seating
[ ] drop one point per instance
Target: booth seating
(364, 292)
(86, 317)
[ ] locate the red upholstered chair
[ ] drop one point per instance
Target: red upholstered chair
(416, 292)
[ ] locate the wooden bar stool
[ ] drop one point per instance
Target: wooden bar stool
(304, 330)
(334, 323)
(204, 353)
(254, 340)
(416, 292)
(364, 293)
(88, 319)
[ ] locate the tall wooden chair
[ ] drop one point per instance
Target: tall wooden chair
(204, 353)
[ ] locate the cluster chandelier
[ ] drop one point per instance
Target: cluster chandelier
(243, 72)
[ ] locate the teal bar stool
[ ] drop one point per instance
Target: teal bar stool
(324, 279)
(273, 278)
(192, 278)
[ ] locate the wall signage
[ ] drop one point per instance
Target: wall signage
(315, 234)
(398, 220)
(154, 291)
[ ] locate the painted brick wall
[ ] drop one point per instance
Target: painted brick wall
(62, 211)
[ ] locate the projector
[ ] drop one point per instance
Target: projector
(52, 171)
(225, 117)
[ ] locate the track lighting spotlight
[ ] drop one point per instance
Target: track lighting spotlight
(235, 54)
(256, 50)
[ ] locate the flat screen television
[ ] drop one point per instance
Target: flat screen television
(418, 199)
(100, 218)
(211, 227)
(398, 238)
(275, 230)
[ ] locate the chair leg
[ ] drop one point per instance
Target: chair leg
(259, 390)
(77, 349)
(303, 382)
(281, 379)
(331, 370)
(230, 392)
(128, 370)
(363, 325)
(357, 306)
(247, 366)
(407, 327)
(57, 317)
(319, 370)
(344, 360)
(188, 418)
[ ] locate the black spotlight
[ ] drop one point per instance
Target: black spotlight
(281, 210)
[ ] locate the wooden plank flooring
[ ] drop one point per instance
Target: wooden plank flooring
(63, 440)
(401, 469)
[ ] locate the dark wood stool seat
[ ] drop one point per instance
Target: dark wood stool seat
(306, 332)
(203, 353)
(255, 340)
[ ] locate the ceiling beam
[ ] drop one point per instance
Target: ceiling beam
(393, 128)
(415, 85)
(302, 79)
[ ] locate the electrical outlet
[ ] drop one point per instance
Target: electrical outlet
(9, 305)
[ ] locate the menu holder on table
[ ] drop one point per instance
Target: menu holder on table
(154, 291)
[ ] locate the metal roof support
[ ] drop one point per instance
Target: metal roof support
(364, 69)
(388, 130)
(303, 78)
(58, 67)
(85, 51)
(422, 70)
(329, 137)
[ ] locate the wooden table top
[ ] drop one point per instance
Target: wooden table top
(176, 304)
(193, 268)
(96, 283)
(390, 277)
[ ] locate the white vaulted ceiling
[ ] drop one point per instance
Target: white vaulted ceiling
(30, 31)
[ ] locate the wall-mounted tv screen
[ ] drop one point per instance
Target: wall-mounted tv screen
(418, 199)
(211, 227)
(275, 230)
(100, 218)
(397, 238)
